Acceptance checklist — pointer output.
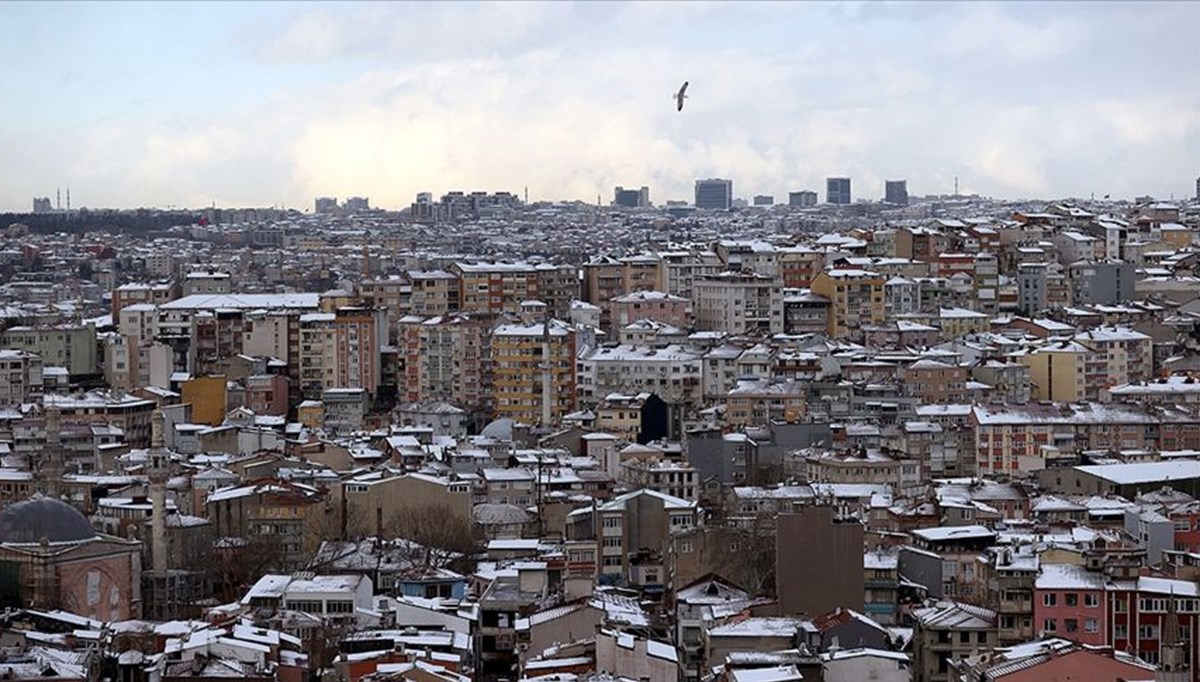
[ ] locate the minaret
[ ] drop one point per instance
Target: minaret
(158, 470)
(50, 464)
(1173, 654)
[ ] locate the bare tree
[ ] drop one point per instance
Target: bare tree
(440, 534)
(750, 559)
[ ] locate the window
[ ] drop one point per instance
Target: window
(612, 522)
(1091, 601)
(1120, 631)
(1148, 632)
(612, 542)
(685, 547)
(1091, 625)
(964, 637)
(1050, 625)
(1071, 625)
(1072, 599)
(1050, 599)
(1156, 605)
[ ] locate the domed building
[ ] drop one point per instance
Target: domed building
(51, 558)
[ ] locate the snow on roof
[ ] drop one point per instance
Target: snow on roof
(243, 301)
(1164, 386)
(843, 654)
(948, 615)
(1068, 577)
(779, 673)
(944, 533)
(767, 626)
(1061, 413)
(1144, 472)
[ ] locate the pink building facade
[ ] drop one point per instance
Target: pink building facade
(650, 305)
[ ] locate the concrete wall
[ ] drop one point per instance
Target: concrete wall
(818, 562)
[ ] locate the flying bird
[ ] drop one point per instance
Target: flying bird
(680, 96)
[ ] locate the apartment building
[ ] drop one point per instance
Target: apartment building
(395, 292)
(934, 382)
(558, 285)
(284, 516)
(673, 373)
(69, 346)
(115, 408)
(798, 265)
(342, 350)
(433, 292)
(677, 479)
(1128, 355)
(650, 305)
(152, 293)
(679, 270)
(855, 299)
(21, 379)
(757, 402)
(495, 287)
(1012, 439)
(521, 355)
(948, 632)
(633, 532)
(1059, 371)
(446, 358)
(207, 282)
(741, 302)
(370, 504)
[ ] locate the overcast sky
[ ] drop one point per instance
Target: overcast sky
(144, 104)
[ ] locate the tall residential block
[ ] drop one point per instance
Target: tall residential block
(837, 190)
(631, 198)
(802, 198)
(896, 192)
(715, 194)
(533, 370)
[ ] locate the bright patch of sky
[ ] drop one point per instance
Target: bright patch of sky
(146, 104)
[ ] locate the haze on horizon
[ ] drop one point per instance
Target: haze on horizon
(257, 104)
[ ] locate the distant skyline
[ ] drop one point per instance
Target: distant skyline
(258, 104)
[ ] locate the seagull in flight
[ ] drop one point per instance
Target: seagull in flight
(680, 96)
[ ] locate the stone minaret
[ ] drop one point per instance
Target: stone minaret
(50, 465)
(158, 471)
(1173, 654)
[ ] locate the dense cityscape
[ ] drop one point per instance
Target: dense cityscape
(939, 438)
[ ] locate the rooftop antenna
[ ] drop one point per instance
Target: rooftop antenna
(956, 186)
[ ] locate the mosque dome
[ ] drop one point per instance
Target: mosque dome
(499, 429)
(38, 518)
